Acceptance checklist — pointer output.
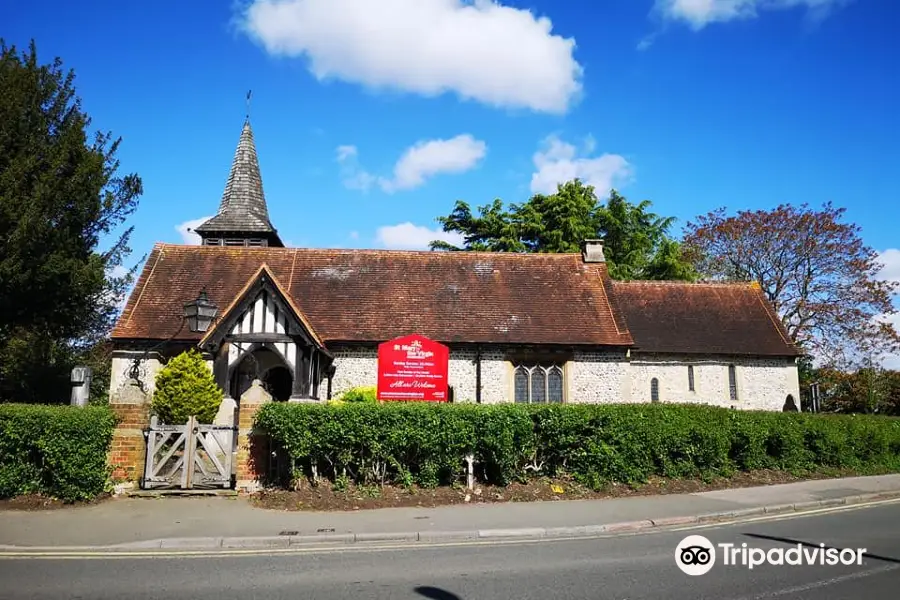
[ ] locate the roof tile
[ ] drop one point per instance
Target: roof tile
(702, 318)
(375, 295)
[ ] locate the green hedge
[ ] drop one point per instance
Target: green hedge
(57, 451)
(426, 443)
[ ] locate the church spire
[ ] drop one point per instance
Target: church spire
(243, 217)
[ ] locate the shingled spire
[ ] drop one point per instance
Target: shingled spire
(243, 217)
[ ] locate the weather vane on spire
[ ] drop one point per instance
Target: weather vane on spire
(249, 93)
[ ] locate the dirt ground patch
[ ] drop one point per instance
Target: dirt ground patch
(324, 497)
(30, 502)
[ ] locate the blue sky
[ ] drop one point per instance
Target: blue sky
(372, 117)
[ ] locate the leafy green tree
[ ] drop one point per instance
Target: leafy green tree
(60, 198)
(185, 387)
(636, 241)
(494, 230)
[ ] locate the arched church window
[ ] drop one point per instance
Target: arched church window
(732, 382)
(538, 383)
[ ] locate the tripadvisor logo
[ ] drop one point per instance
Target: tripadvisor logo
(696, 555)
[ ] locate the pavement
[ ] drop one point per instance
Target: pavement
(223, 523)
(625, 567)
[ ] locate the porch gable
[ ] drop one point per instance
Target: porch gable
(264, 316)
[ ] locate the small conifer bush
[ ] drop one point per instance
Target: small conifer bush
(186, 387)
(367, 395)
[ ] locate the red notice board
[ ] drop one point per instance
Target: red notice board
(414, 368)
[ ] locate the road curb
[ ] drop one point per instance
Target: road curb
(526, 533)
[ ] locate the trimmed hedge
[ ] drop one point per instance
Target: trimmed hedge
(57, 451)
(426, 444)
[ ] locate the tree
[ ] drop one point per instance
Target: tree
(59, 198)
(870, 390)
(822, 280)
(185, 387)
(636, 242)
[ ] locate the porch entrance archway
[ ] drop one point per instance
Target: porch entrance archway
(266, 365)
(279, 382)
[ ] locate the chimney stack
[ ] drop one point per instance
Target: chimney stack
(592, 251)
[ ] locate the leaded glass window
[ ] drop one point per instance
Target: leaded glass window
(521, 385)
(654, 390)
(538, 383)
(691, 378)
(732, 382)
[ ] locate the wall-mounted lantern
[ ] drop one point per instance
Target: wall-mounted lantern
(200, 313)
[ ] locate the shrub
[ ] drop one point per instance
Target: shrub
(427, 443)
(185, 387)
(57, 451)
(360, 394)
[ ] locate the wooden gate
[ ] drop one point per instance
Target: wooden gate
(189, 456)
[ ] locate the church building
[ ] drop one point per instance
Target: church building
(530, 328)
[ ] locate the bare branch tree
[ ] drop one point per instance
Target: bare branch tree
(814, 268)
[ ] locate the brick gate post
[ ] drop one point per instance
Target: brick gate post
(129, 447)
(252, 448)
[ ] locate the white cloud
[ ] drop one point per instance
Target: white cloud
(420, 162)
(345, 153)
(890, 361)
(117, 271)
(186, 230)
(119, 301)
(478, 49)
(407, 236)
(700, 13)
(430, 158)
(890, 258)
(353, 176)
(646, 42)
(890, 271)
(559, 161)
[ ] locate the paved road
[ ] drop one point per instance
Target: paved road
(620, 568)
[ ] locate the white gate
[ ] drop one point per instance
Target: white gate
(189, 456)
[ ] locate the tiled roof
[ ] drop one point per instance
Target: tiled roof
(376, 295)
(243, 206)
(707, 318)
